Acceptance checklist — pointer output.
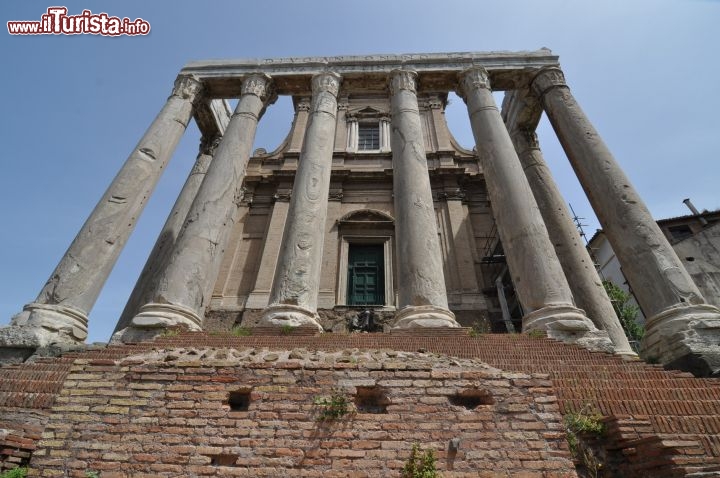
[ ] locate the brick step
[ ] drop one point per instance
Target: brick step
(627, 391)
(702, 424)
(642, 407)
(42, 386)
(27, 399)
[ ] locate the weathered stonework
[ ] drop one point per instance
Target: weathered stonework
(293, 299)
(536, 271)
(370, 203)
(182, 293)
(59, 314)
(682, 330)
(422, 299)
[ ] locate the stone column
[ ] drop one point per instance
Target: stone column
(539, 280)
(259, 298)
(384, 134)
(422, 295)
(59, 314)
(682, 330)
(194, 263)
(147, 284)
(585, 284)
(352, 135)
(462, 242)
(294, 294)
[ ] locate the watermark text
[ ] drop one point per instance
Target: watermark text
(57, 22)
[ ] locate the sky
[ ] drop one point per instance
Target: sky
(645, 72)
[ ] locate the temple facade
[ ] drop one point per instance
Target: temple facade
(370, 204)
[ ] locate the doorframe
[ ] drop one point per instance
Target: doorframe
(343, 265)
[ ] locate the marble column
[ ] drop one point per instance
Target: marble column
(682, 330)
(259, 298)
(294, 294)
(462, 242)
(422, 294)
(59, 314)
(536, 273)
(584, 281)
(147, 284)
(196, 257)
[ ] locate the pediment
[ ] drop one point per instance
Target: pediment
(366, 112)
(366, 215)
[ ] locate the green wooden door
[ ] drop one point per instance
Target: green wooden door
(366, 284)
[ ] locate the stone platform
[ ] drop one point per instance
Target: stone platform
(164, 407)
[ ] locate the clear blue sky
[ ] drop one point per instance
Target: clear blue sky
(645, 71)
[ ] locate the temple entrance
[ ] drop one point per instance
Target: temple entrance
(366, 275)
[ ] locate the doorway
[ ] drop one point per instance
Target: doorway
(366, 274)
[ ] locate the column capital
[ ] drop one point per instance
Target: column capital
(303, 105)
(472, 79)
(546, 79)
(327, 81)
(524, 140)
(208, 144)
(283, 196)
(260, 85)
(403, 80)
(187, 87)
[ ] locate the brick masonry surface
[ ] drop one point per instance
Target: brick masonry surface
(168, 413)
(658, 423)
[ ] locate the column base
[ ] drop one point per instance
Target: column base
(55, 323)
(287, 315)
(153, 319)
(133, 335)
(686, 338)
(20, 342)
(568, 324)
(162, 316)
(423, 316)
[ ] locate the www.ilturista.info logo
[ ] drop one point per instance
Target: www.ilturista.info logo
(57, 22)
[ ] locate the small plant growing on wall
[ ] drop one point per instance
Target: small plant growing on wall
(536, 334)
(421, 464)
(240, 331)
(626, 311)
(585, 422)
(479, 327)
(286, 329)
(14, 473)
(333, 407)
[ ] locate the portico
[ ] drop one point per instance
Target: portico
(371, 201)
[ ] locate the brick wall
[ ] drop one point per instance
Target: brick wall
(168, 412)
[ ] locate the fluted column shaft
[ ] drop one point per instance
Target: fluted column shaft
(422, 294)
(584, 281)
(680, 325)
(72, 289)
(538, 278)
(196, 257)
(147, 284)
(294, 293)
